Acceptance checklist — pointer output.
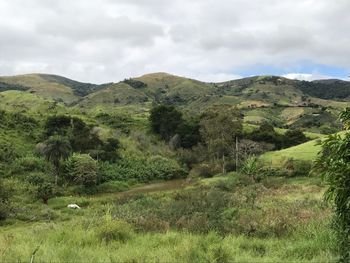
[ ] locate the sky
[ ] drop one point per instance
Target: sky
(211, 40)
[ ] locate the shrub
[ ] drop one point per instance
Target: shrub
(152, 223)
(45, 192)
(114, 230)
(295, 168)
(28, 164)
(4, 201)
(37, 178)
(142, 170)
(82, 169)
(234, 181)
(251, 168)
(163, 168)
(302, 168)
(206, 169)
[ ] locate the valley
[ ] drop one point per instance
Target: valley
(167, 168)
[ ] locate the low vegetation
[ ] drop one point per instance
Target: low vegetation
(161, 182)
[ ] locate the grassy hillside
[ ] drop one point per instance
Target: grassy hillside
(49, 86)
(305, 152)
(28, 103)
(142, 196)
(283, 102)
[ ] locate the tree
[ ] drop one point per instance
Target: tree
(110, 150)
(219, 129)
(55, 150)
(293, 137)
(165, 121)
(81, 136)
(333, 164)
(266, 133)
(82, 169)
(189, 133)
(44, 192)
(169, 123)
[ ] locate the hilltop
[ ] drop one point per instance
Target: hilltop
(281, 101)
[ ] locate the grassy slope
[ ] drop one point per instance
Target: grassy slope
(256, 96)
(63, 235)
(43, 87)
(306, 151)
(28, 103)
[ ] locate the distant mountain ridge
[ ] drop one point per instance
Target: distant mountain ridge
(340, 89)
(284, 102)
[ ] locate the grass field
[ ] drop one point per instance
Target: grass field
(306, 152)
(89, 234)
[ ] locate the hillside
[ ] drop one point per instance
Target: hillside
(48, 86)
(160, 192)
(283, 102)
(305, 152)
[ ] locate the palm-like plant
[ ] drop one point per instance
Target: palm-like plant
(56, 149)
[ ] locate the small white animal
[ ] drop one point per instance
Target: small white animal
(73, 206)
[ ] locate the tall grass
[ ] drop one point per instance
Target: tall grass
(79, 241)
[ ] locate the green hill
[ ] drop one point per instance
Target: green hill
(49, 86)
(283, 102)
(306, 152)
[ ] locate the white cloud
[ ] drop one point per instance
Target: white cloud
(306, 76)
(106, 40)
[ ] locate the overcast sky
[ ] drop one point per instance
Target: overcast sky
(211, 40)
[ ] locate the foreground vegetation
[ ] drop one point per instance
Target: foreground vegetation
(222, 219)
(160, 183)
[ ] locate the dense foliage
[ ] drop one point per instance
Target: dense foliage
(266, 133)
(4, 201)
(331, 89)
(169, 122)
(334, 165)
(136, 84)
(82, 169)
(142, 169)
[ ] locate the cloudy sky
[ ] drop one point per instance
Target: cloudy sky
(212, 40)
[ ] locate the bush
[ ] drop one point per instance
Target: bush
(252, 168)
(82, 169)
(142, 170)
(4, 202)
(163, 168)
(28, 164)
(114, 230)
(296, 168)
(302, 168)
(38, 178)
(45, 192)
(234, 181)
(206, 170)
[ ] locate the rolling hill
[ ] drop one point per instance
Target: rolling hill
(283, 102)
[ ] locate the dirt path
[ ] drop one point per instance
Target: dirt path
(156, 187)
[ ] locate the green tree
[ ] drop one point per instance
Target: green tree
(165, 121)
(55, 150)
(82, 137)
(82, 169)
(266, 133)
(44, 192)
(333, 164)
(109, 150)
(219, 129)
(189, 133)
